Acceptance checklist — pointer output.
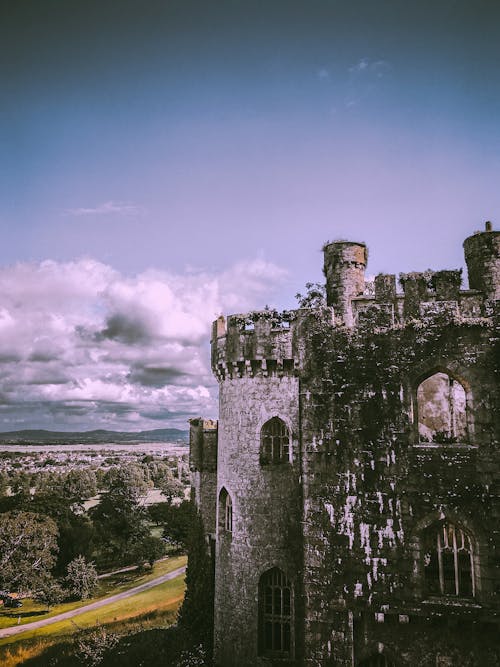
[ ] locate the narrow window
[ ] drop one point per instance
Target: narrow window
(275, 603)
(442, 415)
(225, 511)
(228, 515)
(274, 442)
(448, 561)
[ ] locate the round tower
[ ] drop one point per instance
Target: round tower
(258, 545)
(344, 268)
(482, 255)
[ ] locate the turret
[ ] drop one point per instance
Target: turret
(203, 465)
(482, 255)
(344, 268)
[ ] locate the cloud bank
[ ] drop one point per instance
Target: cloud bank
(83, 346)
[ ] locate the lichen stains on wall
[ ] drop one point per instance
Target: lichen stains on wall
(384, 519)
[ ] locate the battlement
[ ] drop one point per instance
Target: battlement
(203, 444)
(258, 344)
(268, 343)
(424, 294)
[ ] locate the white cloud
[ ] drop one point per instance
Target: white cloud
(107, 208)
(377, 68)
(84, 346)
(364, 78)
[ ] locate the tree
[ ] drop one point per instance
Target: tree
(177, 523)
(148, 550)
(76, 532)
(315, 296)
(163, 479)
(82, 578)
(196, 613)
(28, 547)
(20, 483)
(50, 593)
(127, 483)
(119, 519)
(4, 482)
(171, 488)
(79, 485)
(159, 512)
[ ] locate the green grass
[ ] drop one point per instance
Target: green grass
(33, 611)
(157, 601)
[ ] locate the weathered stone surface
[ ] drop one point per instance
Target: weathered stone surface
(372, 471)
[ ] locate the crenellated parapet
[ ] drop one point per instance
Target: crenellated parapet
(258, 344)
(352, 469)
(269, 343)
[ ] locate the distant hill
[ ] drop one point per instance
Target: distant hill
(94, 437)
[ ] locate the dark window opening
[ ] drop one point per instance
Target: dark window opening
(225, 511)
(275, 442)
(275, 602)
(448, 559)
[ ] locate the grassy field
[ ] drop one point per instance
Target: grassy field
(156, 601)
(33, 611)
(153, 608)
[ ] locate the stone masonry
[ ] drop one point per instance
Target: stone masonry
(351, 487)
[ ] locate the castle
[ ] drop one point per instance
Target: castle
(350, 489)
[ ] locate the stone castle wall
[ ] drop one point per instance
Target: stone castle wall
(345, 520)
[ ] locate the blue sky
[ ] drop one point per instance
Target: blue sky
(153, 147)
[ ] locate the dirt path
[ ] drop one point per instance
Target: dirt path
(17, 629)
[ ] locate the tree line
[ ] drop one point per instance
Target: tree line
(52, 546)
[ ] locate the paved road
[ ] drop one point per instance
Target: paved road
(7, 632)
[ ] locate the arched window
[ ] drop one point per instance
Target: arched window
(274, 442)
(442, 410)
(225, 511)
(276, 613)
(377, 660)
(448, 560)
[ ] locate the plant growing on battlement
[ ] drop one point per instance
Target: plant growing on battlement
(314, 297)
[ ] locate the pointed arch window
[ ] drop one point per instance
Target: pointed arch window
(442, 410)
(274, 442)
(225, 511)
(276, 614)
(448, 559)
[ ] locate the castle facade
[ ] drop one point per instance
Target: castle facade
(350, 489)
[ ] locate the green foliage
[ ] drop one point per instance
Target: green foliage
(158, 512)
(79, 485)
(20, 483)
(194, 657)
(49, 593)
(93, 646)
(81, 578)
(127, 483)
(75, 531)
(28, 547)
(120, 521)
(171, 488)
(177, 520)
(147, 550)
(119, 528)
(4, 482)
(196, 615)
(315, 296)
